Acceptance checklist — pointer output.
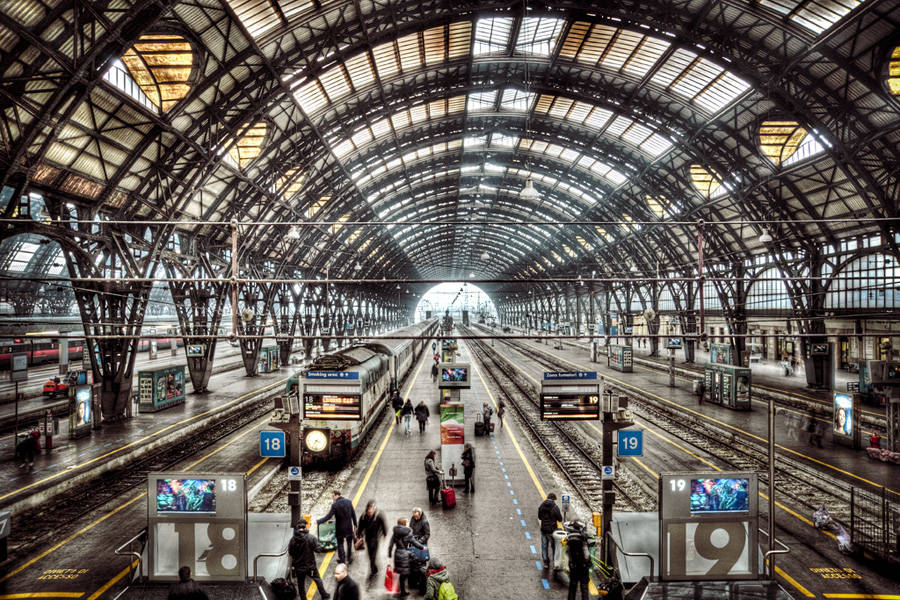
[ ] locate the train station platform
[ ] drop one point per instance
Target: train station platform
(72, 461)
(490, 542)
(852, 466)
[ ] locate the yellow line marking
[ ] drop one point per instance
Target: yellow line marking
(794, 583)
(42, 595)
(93, 524)
(729, 426)
(257, 465)
(865, 596)
(68, 472)
(113, 581)
(644, 467)
(326, 560)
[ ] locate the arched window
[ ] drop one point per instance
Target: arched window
(768, 295)
(865, 282)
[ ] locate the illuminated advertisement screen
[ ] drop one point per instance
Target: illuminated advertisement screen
(186, 496)
(570, 407)
(843, 415)
(81, 413)
(332, 407)
(818, 349)
(722, 495)
(454, 374)
(674, 343)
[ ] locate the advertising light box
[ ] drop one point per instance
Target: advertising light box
(844, 412)
(454, 375)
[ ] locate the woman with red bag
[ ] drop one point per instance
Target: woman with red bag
(402, 539)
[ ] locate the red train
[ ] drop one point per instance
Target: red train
(46, 350)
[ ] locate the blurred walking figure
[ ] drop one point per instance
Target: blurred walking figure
(468, 463)
(501, 409)
(372, 527)
(434, 372)
(422, 414)
(397, 405)
(407, 412)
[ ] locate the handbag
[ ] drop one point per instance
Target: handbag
(359, 543)
(391, 583)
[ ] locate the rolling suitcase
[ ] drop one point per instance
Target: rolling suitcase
(448, 496)
(479, 425)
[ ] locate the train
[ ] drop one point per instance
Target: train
(341, 395)
(43, 350)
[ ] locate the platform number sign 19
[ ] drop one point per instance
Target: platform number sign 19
(631, 442)
(272, 444)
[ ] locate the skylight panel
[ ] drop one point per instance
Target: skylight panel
(481, 101)
(360, 70)
(516, 100)
(364, 136)
(118, 75)
(410, 55)
(721, 92)
(622, 48)
(809, 147)
(616, 177)
(386, 61)
(619, 125)
(20, 261)
(504, 141)
(656, 144)
(673, 67)
(311, 97)
(646, 54)
(815, 15)
(695, 78)
(598, 117)
(538, 35)
(335, 83)
(292, 181)
(343, 149)
(492, 35)
(58, 266)
(569, 155)
(418, 114)
(260, 16)
(636, 134)
(435, 50)
(381, 128)
(460, 39)
(401, 119)
(317, 206)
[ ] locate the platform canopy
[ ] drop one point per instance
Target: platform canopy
(407, 130)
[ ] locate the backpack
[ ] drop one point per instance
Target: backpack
(447, 592)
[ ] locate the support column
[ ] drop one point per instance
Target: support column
(254, 303)
(199, 306)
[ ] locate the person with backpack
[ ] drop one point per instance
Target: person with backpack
(407, 412)
(486, 412)
(302, 549)
(27, 448)
(402, 538)
(397, 405)
(549, 514)
(579, 560)
(468, 463)
(422, 414)
(439, 586)
(372, 527)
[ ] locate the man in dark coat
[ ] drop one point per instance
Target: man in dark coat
(549, 514)
(579, 560)
(373, 526)
(402, 539)
(186, 588)
(346, 588)
(421, 529)
(344, 525)
(396, 404)
(422, 414)
(302, 549)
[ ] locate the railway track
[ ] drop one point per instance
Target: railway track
(577, 457)
(810, 488)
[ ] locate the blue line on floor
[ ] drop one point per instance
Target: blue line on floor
(527, 536)
(540, 567)
(522, 521)
(509, 484)
(518, 511)
(515, 501)
(512, 493)
(546, 584)
(533, 549)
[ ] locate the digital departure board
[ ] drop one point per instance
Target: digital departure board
(570, 407)
(332, 407)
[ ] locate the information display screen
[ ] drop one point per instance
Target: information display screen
(570, 407)
(674, 343)
(195, 350)
(818, 349)
(722, 495)
(843, 415)
(454, 375)
(345, 407)
(186, 496)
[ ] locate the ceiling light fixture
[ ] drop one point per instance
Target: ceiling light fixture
(293, 233)
(529, 192)
(765, 237)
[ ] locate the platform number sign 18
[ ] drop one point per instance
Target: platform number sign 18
(631, 443)
(272, 444)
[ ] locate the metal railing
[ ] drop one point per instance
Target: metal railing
(773, 553)
(265, 555)
(633, 554)
(142, 536)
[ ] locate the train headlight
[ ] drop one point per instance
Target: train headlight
(316, 440)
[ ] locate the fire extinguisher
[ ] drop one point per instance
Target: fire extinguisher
(48, 430)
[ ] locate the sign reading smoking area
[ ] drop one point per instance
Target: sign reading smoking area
(708, 526)
(199, 520)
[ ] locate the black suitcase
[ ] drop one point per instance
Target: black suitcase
(479, 428)
(284, 589)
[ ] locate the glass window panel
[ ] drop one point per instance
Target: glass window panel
(492, 35)
(386, 60)
(538, 35)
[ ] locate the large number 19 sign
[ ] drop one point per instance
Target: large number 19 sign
(708, 526)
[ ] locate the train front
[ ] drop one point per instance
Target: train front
(332, 405)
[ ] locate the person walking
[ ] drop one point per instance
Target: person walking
(422, 414)
(486, 412)
(372, 527)
(186, 588)
(302, 549)
(579, 560)
(501, 408)
(812, 427)
(396, 404)
(433, 478)
(346, 589)
(549, 515)
(438, 577)
(468, 463)
(407, 412)
(344, 525)
(434, 372)
(402, 539)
